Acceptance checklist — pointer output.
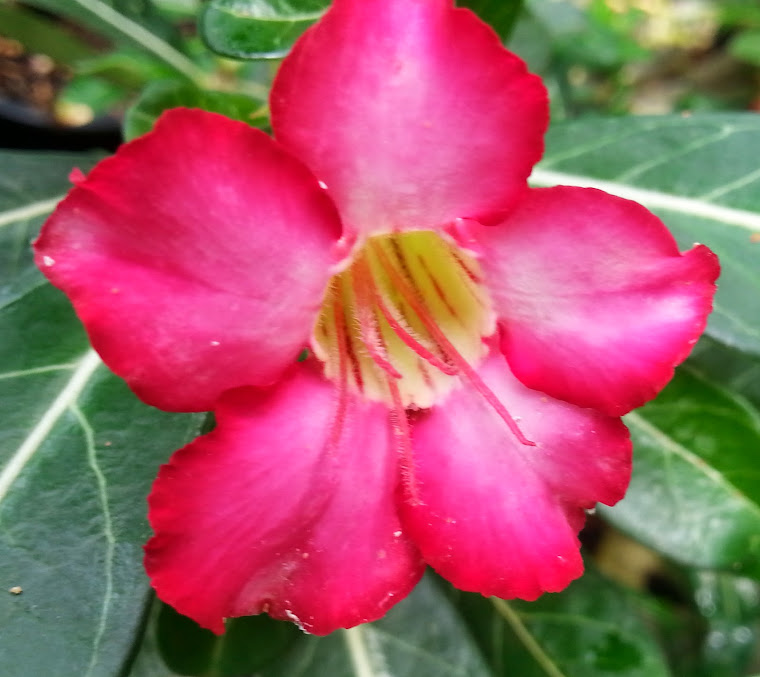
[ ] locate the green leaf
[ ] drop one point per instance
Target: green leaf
(729, 368)
(695, 491)
(78, 453)
(129, 22)
(746, 47)
(699, 174)
(161, 96)
(592, 629)
(30, 187)
(731, 608)
(247, 645)
(257, 29)
(501, 15)
(423, 636)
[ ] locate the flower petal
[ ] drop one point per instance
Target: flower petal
(495, 516)
(411, 112)
(265, 515)
(196, 257)
(596, 304)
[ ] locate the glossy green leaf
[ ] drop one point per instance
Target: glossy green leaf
(248, 644)
(699, 174)
(732, 369)
(257, 29)
(77, 455)
(30, 187)
(592, 629)
(423, 636)
(501, 15)
(170, 94)
(695, 491)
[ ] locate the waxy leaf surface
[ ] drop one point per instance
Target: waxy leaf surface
(161, 96)
(699, 174)
(695, 491)
(77, 455)
(257, 29)
(423, 636)
(591, 629)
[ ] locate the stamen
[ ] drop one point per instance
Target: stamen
(467, 270)
(410, 296)
(348, 335)
(403, 441)
(336, 429)
(367, 321)
(439, 291)
(408, 337)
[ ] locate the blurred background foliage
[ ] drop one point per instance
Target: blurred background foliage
(59, 67)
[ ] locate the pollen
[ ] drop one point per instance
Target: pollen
(405, 320)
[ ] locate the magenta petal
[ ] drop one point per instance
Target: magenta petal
(263, 515)
(495, 516)
(596, 304)
(196, 257)
(411, 112)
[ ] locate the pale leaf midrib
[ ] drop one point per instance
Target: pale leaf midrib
(652, 199)
(29, 211)
(692, 459)
(359, 653)
(273, 18)
(70, 392)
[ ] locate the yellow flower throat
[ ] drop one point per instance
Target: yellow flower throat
(405, 320)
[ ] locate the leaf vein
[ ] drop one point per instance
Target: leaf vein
(84, 370)
(100, 479)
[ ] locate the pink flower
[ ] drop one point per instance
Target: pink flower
(388, 227)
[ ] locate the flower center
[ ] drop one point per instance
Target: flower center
(405, 320)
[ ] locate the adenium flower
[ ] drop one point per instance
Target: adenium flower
(473, 342)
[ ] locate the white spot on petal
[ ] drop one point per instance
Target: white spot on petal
(292, 617)
(397, 533)
(214, 343)
(48, 260)
(323, 185)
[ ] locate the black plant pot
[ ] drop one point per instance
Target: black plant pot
(23, 127)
